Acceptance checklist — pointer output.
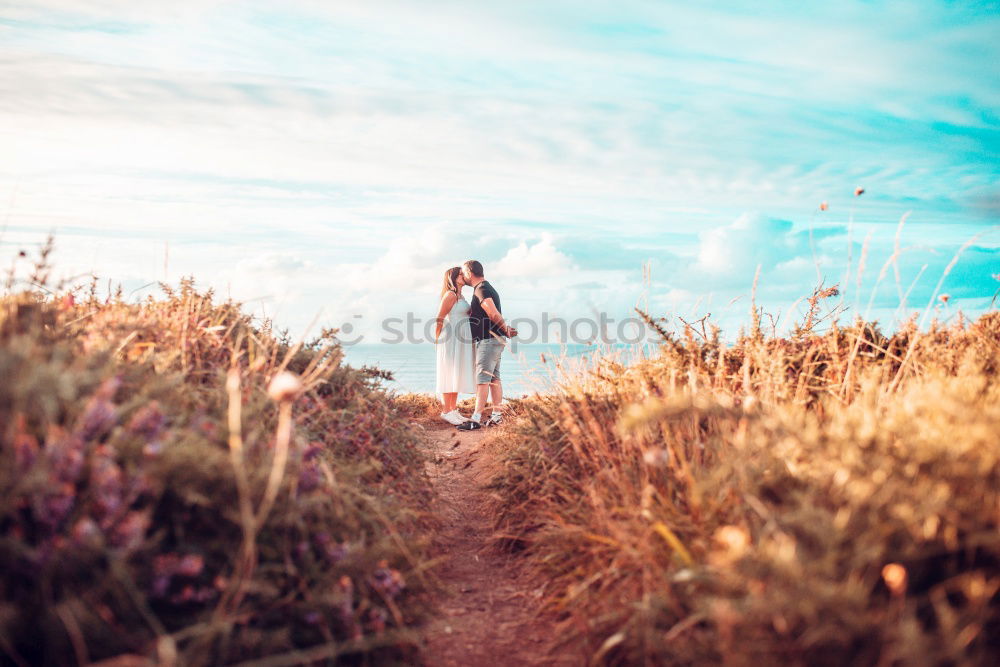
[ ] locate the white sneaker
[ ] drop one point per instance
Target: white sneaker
(454, 417)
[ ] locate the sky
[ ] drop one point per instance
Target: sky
(325, 162)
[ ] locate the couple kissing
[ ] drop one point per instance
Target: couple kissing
(470, 338)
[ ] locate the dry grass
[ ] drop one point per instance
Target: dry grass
(157, 504)
(826, 498)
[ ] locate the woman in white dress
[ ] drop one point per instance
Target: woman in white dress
(456, 356)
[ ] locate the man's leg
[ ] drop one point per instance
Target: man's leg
(482, 390)
(496, 388)
(496, 396)
(487, 362)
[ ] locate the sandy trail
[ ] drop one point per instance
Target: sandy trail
(487, 614)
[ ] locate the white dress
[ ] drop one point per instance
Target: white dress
(456, 354)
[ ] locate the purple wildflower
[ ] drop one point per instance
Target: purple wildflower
(310, 477)
(106, 481)
(65, 454)
(51, 509)
(148, 421)
(388, 581)
(100, 414)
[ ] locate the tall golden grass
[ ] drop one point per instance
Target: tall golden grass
(820, 498)
(182, 485)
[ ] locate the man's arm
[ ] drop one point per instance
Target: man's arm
(495, 317)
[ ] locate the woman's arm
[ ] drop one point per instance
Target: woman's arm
(447, 301)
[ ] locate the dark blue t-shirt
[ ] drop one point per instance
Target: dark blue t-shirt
(482, 325)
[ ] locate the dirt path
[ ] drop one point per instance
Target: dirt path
(488, 610)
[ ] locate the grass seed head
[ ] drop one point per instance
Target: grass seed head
(284, 386)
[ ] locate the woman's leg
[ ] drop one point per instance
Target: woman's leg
(450, 401)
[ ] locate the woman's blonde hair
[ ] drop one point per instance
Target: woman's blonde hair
(450, 276)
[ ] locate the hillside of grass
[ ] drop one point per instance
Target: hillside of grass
(822, 498)
(180, 484)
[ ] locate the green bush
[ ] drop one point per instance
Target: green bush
(135, 521)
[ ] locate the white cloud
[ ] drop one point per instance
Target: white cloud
(533, 261)
(275, 277)
(734, 250)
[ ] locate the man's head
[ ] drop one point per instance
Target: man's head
(472, 271)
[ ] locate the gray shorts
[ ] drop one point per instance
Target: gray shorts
(488, 360)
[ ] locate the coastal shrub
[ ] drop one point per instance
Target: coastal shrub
(181, 484)
(821, 498)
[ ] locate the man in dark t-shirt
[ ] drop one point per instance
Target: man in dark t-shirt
(482, 326)
(489, 332)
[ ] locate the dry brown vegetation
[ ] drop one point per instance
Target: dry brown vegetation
(822, 498)
(182, 485)
(159, 504)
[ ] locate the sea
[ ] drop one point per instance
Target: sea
(524, 369)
